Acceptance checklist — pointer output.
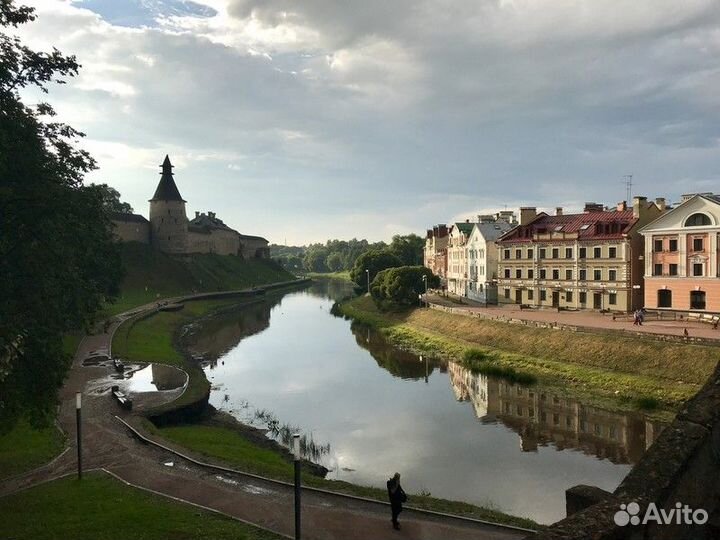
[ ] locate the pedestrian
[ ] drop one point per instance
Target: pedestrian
(685, 332)
(397, 498)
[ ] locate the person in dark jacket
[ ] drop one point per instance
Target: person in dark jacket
(397, 498)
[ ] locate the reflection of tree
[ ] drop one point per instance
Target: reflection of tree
(213, 336)
(543, 418)
(399, 363)
(335, 289)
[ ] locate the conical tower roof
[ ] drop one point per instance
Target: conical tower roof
(166, 189)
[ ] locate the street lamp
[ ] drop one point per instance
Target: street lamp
(78, 407)
(424, 278)
(296, 456)
(367, 272)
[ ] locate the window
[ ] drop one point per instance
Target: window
(597, 274)
(664, 298)
(518, 273)
(697, 244)
(568, 253)
(529, 253)
(568, 296)
(673, 244)
(583, 253)
(568, 274)
(556, 419)
(697, 299)
(555, 253)
(541, 253)
(583, 275)
(530, 273)
(506, 254)
(657, 245)
(612, 252)
(542, 273)
(612, 298)
(543, 295)
(612, 275)
(518, 254)
(556, 274)
(597, 252)
(530, 294)
(673, 269)
(697, 220)
(582, 297)
(507, 293)
(657, 270)
(507, 273)
(698, 269)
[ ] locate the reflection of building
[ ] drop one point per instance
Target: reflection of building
(681, 256)
(167, 377)
(542, 418)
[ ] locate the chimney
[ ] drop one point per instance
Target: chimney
(527, 214)
(660, 203)
(558, 211)
(197, 214)
(639, 206)
(622, 206)
(211, 215)
(442, 230)
(593, 207)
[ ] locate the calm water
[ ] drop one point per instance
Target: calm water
(371, 410)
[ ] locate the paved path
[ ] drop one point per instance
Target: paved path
(588, 319)
(108, 444)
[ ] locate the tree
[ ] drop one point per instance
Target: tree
(111, 200)
(400, 287)
(334, 262)
(58, 262)
(408, 248)
(374, 261)
(315, 257)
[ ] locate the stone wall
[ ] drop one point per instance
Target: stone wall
(253, 247)
(132, 231)
(222, 242)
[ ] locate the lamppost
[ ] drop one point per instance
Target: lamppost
(78, 406)
(426, 367)
(424, 278)
(367, 272)
(296, 452)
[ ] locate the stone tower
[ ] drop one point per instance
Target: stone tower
(168, 221)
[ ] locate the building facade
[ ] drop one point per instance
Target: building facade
(170, 231)
(457, 266)
(435, 252)
(592, 260)
(482, 257)
(681, 256)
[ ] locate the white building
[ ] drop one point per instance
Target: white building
(482, 258)
(457, 267)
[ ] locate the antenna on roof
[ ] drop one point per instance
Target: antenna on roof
(627, 180)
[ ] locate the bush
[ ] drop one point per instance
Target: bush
(475, 355)
(395, 288)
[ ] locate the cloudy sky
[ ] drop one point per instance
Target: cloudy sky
(303, 120)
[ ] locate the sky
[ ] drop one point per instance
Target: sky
(307, 120)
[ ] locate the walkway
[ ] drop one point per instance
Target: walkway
(108, 444)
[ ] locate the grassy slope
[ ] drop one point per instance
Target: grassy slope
(343, 275)
(609, 367)
(149, 273)
(102, 508)
(230, 447)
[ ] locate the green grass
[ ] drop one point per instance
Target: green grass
(343, 275)
(604, 368)
(151, 274)
(25, 447)
(102, 508)
(230, 447)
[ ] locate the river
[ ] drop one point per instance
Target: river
(368, 410)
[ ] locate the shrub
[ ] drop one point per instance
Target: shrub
(395, 288)
(475, 355)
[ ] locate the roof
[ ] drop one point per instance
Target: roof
(128, 218)
(206, 223)
(251, 237)
(166, 189)
(493, 230)
(588, 226)
(465, 227)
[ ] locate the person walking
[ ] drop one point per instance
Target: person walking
(397, 498)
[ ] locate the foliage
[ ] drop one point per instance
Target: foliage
(374, 261)
(314, 259)
(111, 200)
(475, 355)
(58, 263)
(400, 287)
(332, 256)
(334, 262)
(408, 248)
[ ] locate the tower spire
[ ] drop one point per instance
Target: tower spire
(166, 189)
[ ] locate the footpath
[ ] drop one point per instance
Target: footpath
(109, 445)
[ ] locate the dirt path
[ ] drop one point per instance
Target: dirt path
(108, 444)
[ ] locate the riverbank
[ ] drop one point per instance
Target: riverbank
(343, 275)
(607, 369)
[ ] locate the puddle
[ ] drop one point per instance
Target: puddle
(153, 378)
(257, 490)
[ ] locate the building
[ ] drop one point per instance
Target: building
(457, 267)
(681, 256)
(435, 252)
(482, 256)
(170, 231)
(592, 260)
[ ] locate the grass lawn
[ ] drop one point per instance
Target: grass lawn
(626, 370)
(102, 508)
(229, 446)
(344, 275)
(25, 447)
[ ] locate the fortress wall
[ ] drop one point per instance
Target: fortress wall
(252, 248)
(132, 231)
(215, 241)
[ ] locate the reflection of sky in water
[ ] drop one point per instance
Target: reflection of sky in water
(309, 371)
(153, 378)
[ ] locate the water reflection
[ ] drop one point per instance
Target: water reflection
(543, 418)
(155, 377)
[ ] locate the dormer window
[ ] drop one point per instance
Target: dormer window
(698, 220)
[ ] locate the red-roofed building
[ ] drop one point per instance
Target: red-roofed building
(592, 260)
